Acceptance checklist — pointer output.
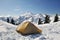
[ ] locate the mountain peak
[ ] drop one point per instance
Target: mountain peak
(27, 14)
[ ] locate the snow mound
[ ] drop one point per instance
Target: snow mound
(49, 32)
(2, 29)
(8, 32)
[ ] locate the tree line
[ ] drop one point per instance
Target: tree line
(47, 20)
(11, 21)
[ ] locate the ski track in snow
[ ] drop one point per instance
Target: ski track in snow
(49, 32)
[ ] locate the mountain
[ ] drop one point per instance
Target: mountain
(3, 18)
(30, 16)
(26, 16)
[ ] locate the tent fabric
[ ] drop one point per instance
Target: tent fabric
(28, 28)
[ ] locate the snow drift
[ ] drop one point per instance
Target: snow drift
(49, 32)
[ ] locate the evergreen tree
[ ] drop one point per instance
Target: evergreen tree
(32, 19)
(47, 19)
(12, 21)
(8, 20)
(39, 21)
(56, 18)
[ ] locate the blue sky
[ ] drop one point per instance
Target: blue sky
(16, 7)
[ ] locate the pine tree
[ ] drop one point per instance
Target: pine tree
(39, 21)
(8, 20)
(47, 19)
(12, 21)
(32, 19)
(56, 18)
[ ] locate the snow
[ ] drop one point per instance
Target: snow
(50, 31)
(2, 29)
(25, 16)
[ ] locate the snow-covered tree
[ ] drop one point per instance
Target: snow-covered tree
(56, 18)
(12, 21)
(47, 19)
(8, 20)
(39, 21)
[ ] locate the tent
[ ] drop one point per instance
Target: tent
(27, 28)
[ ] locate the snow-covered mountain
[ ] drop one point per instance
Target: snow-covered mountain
(26, 16)
(3, 18)
(31, 17)
(49, 32)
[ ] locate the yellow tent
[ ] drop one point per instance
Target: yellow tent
(27, 28)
